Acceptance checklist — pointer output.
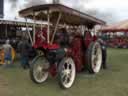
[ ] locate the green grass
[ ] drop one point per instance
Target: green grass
(110, 82)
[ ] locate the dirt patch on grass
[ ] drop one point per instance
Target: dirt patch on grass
(3, 87)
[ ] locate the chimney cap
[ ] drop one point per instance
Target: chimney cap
(56, 1)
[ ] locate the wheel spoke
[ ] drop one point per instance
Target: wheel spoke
(67, 65)
(66, 79)
(93, 57)
(93, 60)
(39, 75)
(63, 74)
(66, 76)
(97, 53)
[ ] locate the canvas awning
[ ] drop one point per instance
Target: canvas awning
(17, 23)
(117, 27)
(70, 16)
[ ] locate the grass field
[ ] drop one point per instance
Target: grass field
(111, 82)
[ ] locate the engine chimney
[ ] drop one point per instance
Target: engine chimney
(56, 1)
(1, 8)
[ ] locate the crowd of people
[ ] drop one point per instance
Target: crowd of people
(23, 47)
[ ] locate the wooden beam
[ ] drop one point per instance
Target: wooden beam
(57, 23)
(48, 31)
(34, 27)
(6, 30)
(29, 33)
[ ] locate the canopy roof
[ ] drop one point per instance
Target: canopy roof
(120, 26)
(18, 23)
(69, 15)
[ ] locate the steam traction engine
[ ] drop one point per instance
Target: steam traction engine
(63, 52)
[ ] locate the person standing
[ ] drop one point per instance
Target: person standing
(7, 48)
(24, 48)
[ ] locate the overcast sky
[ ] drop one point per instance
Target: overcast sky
(117, 8)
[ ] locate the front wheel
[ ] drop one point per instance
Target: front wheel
(39, 69)
(94, 57)
(67, 73)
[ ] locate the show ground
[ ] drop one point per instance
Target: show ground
(111, 82)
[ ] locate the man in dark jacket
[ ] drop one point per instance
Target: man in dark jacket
(24, 48)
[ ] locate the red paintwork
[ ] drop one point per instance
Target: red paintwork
(76, 50)
(53, 70)
(94, 38)
(88, 39)
(39, 43)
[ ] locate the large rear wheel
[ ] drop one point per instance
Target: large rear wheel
(39, 69)
(94, 57)
(104, 57)
(67, 73)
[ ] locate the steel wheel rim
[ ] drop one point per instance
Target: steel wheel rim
(96, 58)
(40, 72)
(68, 73)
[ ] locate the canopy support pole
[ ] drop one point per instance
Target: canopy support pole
(57, 23)
(6, 31)
(42, 25)
(48, 31)
(34, 29)
(82, 29)
(29, 33)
